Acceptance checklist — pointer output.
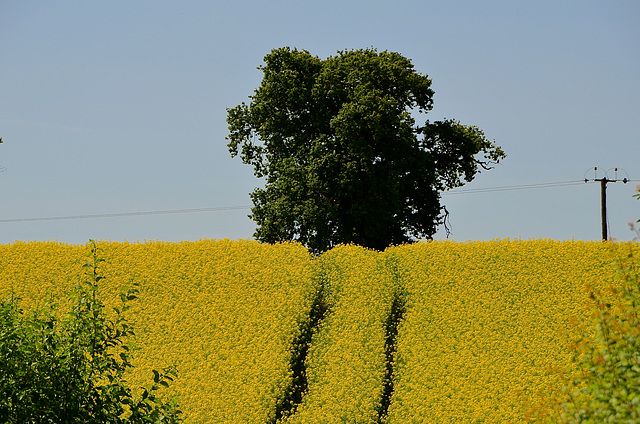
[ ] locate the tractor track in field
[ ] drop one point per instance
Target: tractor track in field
(298, 386)
(398, 308)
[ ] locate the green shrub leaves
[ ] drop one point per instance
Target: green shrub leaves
(71, 369)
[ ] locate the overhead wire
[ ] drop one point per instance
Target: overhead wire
(245, 207)
(113, 215)
(516, 187)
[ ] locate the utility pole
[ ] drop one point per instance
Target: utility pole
(603, 206)
(603, 194)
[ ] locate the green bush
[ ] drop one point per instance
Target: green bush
(606, 386)
(609, 379)
(71, 369)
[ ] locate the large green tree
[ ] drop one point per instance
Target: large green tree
(343, 157)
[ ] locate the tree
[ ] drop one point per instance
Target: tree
(343, 158)
(72, 370)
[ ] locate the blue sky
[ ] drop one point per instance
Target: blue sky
(119, 107)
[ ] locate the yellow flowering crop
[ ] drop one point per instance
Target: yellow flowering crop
(223, 312)
(346, 364)
(482, 326)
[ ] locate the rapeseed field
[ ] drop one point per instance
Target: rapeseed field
(346, 366)
(223, 312)
(483, 324)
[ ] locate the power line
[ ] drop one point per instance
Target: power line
(231, 208)
(517, 187)
(113, 215)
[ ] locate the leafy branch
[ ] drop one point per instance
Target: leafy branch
(72, 370)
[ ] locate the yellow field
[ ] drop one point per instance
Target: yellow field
(347, 362)
(223, 312)
(482, 323)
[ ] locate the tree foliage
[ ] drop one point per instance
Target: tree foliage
(72, 369)
(342, 155)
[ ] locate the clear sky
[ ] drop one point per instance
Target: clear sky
(117, 107)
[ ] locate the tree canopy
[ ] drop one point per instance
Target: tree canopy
(343, 158)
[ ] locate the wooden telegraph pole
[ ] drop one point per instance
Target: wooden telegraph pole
(603, 194)
(603, 206)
